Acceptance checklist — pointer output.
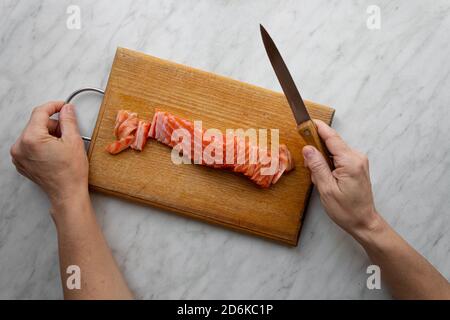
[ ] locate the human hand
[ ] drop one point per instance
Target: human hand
(53, 155)
(345, 192)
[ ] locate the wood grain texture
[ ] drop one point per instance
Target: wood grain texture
(141, 83)
(310, 135)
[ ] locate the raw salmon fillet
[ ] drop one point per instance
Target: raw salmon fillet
(164, 123)
(132, 132)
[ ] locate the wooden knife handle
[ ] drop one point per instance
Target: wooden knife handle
(308, 131)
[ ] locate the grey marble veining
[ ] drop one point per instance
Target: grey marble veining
(390, 88)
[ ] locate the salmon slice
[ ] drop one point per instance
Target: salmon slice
(124, 129)
(164, 124)
(128, 126)
(122, 115)
(120, 145)
(141, 135)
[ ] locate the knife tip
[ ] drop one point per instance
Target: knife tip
(262, 29)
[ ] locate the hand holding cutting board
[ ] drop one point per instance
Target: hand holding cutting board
(51, 153)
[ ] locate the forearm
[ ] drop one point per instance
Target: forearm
(408, 274)
(81, 243)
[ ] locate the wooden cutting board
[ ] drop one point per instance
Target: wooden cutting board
(141, 83)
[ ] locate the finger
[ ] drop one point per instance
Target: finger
(14, 161)
(320, 171)
(333, 141)
(68, 122)
(23, 173)
(53, 127)
(14, 151)
(40, 115)
(17, 164)
(20, 169)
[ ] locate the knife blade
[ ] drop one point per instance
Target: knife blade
(305, 126)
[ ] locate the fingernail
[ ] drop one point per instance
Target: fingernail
(308, 152)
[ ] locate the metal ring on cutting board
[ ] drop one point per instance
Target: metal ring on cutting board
(75, 93)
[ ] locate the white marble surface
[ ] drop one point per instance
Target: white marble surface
(390, 88)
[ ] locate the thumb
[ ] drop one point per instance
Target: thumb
(68, 121)
(320, 171)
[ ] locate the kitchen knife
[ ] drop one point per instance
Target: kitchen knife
(305, 126)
